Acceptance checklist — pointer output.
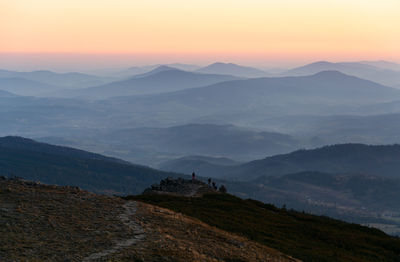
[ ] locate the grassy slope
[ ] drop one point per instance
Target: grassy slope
(304, 236)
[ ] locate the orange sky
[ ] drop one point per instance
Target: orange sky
(203, 30)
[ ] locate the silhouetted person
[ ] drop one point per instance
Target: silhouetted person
(193, 176)
(222, 189)
(214, 185)
(209, 181)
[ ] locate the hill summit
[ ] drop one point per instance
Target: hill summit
(180, 187)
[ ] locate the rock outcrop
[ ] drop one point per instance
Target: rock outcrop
(180, 186)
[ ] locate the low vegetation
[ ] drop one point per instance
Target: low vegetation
(304, 236)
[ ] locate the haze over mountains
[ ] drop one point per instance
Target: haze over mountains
(314, 110)
(247, 102)
(152, 146)
(178, 131)
(138, 70)
(206, 138)
(6, 94)
(232, 69)
(160, 80)
(381, 72)
(216, 121)
(65, 80)
(344, 158)
(383, 64)
(24, 87)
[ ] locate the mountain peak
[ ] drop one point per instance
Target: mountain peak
(232, 69)
(222, 63)
(225, 65)
(180, 186)
(322, 62)
(330, 73)
(162, 68)
(158, 69)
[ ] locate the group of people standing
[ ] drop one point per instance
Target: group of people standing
(211, 184)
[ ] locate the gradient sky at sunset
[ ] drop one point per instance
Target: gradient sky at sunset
(250, 31)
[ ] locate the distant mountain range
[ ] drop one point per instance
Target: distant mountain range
(180, 66)
(201, 165)
(380, 72)
(215, 68)
(63, 80)
(244, 101)
(214, 140)
(232, 69)
(249, 102)
(138, 70)
(379, 160)
(156, 70)
(223, 161)
(152, 146)
(383, 64)
(327, 190)
(24, 87)
(6, 94)
(354, 129)
(160, 80)
(360, 127)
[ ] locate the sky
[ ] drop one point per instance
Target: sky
(252, 32)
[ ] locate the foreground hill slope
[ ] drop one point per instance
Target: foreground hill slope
(46, 223)
(66, 166)
(304, 236)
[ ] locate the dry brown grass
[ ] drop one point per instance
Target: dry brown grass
(172, 236)
(50, 223)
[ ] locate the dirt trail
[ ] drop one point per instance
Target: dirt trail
(138, 233)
